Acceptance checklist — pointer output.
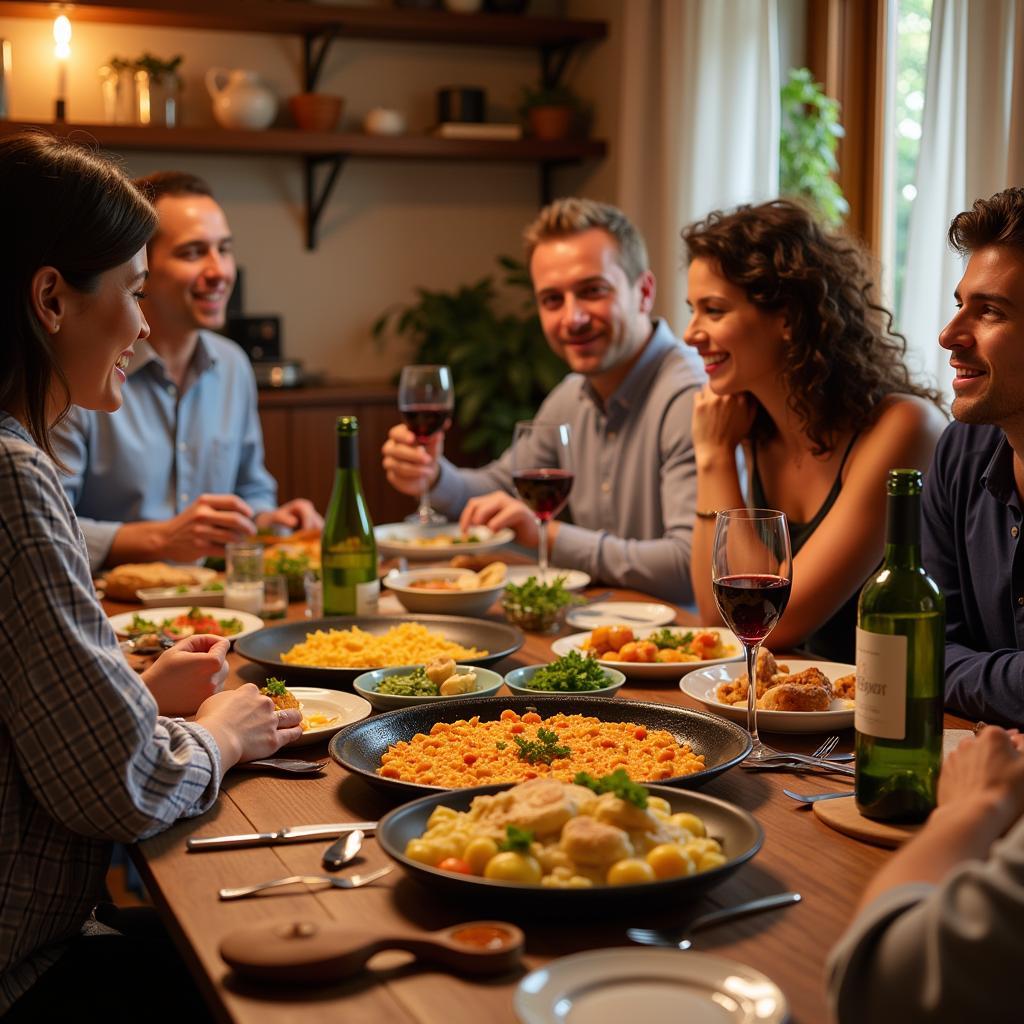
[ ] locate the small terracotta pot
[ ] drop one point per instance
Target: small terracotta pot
(549, 122)
(316, 111)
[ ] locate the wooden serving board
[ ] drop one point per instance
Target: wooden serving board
(843, 816)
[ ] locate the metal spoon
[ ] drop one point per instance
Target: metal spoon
(343, 849)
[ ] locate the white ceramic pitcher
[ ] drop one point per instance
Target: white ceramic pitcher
(240, 99)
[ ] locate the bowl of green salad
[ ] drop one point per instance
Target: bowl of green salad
(390, 688)
(572, 673)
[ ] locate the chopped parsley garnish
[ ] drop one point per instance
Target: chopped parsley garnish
(543, 750)
(533, 598)
(668, 639)
(500, 745)
(516, 839)
(275, 687)
(572, 672)
(141, 625)
(618, 783)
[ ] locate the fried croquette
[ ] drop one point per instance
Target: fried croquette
(845, 687)
(795, 697)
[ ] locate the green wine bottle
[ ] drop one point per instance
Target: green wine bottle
(900, 669)
(349, 548)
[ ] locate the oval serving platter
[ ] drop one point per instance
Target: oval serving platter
(265, 647)
(358, 747)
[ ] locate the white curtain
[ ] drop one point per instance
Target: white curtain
(699, 121)
(972, 145)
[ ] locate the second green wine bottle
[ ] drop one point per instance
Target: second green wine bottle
(900, 669)
(349, 549)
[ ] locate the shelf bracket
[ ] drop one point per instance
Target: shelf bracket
(553, 60)
(317, 200)
(314, 49)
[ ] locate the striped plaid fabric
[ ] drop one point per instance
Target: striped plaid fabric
(84, 758)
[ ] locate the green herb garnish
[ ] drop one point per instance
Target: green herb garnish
(141, 625)
(182, 589)
(534, 605)
(667, 639)
(275, 687)
(500, 745)
(543, 750)
(281, 563)
(573, 672)
(618, 783)
(230, 626)
(212, 587)
(516, 839)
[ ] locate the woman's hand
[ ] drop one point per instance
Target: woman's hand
(188, 673)
(986, 770)
(720, 422)
(498, 510)
(246, 725)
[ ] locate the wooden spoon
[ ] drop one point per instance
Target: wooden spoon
(304, 951)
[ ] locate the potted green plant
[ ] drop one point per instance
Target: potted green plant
(502, 367)
(807, 146)
(549, 111)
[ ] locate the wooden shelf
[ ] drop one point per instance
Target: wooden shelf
(285, 142)
(347, 22)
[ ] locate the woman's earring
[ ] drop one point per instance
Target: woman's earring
(56, 327)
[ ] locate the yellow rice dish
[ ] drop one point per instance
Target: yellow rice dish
(407, 644)
(514, 748)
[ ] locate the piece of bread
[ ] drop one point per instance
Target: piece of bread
(122, 582)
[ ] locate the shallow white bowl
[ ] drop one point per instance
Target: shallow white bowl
(517, 680)
(441, 602)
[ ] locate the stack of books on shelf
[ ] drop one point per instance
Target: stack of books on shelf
(478, 130)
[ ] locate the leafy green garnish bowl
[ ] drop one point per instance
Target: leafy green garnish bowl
(518, 681)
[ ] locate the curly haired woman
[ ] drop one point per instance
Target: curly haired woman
(806, 372)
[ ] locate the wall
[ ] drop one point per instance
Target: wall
(389, 227)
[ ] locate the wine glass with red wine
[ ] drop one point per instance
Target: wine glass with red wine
(752, 574)
(542, 474)
(426, 399)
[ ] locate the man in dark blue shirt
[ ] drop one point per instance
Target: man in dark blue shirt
(973, 495)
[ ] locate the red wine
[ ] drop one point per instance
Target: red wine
(751, 604)
(545, 491)
(426, 420)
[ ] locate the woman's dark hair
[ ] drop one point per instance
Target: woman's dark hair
(843, 355)
(66, 207)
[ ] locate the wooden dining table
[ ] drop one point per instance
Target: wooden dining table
(799, 853)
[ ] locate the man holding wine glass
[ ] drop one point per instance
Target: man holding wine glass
(626, 407)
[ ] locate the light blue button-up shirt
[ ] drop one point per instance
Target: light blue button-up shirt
(161, 450)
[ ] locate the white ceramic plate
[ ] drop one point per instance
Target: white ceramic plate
(405, 540)
(575, 579)
(621, 613)
(701, 685)
(657, 986)
(655, 669)
(250, 623)
(345, 708)
(441, 602)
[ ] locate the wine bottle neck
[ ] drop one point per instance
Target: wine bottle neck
(903, 531)
(348, 452)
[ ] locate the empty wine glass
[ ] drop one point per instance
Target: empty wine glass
(542, 474)
(752, 574)
(426, 399)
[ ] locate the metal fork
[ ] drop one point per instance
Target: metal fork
(813, 798)
(352, 882)
(677, 936)
(294, 765)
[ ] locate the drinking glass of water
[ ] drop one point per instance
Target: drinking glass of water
(243, 584)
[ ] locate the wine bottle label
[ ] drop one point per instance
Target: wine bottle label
(367, 596)
(881, 704)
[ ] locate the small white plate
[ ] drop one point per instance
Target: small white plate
(250, 623)
(345, 707)
(575, 579)
(655, 669)
(621, 613)
(657, 986)
(405, 540)
(702, 684)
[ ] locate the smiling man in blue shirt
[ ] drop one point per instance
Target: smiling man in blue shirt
(973, 503)
(178, 471)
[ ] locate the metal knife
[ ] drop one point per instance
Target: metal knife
(296, 834)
